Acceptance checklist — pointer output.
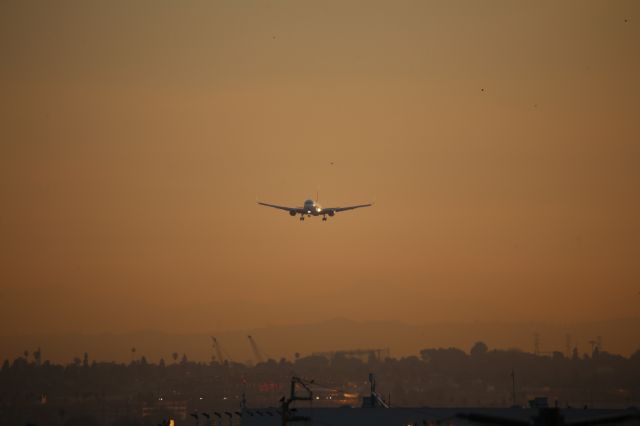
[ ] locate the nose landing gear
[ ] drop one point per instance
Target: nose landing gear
(324, 218)
(301, 217)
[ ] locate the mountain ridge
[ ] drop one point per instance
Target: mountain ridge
(618, 335)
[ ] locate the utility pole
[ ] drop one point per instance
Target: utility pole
(513, 387)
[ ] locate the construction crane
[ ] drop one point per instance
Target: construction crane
(374, 400)
(260, 356)
(220, 353)
(289, 414)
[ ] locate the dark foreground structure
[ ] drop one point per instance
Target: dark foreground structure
(375, 411)
(585, 389)
(420, 416)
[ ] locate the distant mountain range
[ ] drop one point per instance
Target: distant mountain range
(617, 336)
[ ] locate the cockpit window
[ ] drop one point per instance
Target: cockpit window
(307, 202)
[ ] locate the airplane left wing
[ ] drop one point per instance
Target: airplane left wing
(296, 209)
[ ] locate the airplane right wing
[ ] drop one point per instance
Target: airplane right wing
(341, 209)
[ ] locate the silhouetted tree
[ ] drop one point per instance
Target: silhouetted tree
(574, 354)
(479, 349)
(37, 356)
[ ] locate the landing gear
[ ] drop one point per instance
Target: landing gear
(324, 218)
(302, 217)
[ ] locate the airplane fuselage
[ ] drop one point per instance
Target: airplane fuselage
(312, 208)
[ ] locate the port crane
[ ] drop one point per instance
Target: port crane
(260, 356)
(221, 354)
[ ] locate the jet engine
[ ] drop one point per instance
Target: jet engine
(292, 212)
(331, 213)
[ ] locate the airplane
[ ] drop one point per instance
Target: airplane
(312, 208)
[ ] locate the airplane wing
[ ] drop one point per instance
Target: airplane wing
(296, 209)
(341, 209)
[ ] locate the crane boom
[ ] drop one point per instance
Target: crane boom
(219, 352)
(256, 351)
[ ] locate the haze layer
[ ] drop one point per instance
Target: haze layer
(499, 139)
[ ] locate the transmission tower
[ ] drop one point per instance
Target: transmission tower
(536, 343)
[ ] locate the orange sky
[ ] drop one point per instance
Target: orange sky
(499, 139)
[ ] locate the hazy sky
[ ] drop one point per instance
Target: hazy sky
(500, 140)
